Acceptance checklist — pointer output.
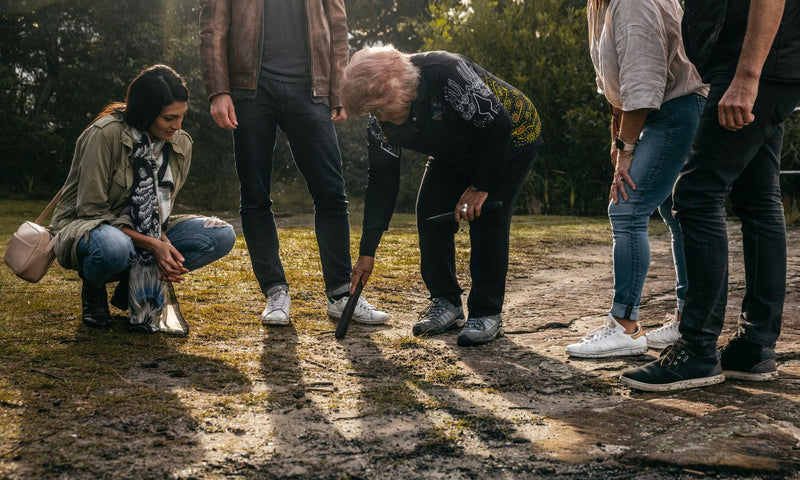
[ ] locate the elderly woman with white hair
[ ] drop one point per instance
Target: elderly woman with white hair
(482, 135)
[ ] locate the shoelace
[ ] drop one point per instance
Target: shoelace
(603, 330)
(672, 325)
(364, 305)
(433, 310)
(670, 354)
(278, 301)
(475, 323)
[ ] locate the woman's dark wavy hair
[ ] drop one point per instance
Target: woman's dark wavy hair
(153, 89)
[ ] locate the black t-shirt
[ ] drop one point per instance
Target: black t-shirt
(285, 50)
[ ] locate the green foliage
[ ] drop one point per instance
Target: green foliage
(374, 22)
(61, 61)
(541, 47)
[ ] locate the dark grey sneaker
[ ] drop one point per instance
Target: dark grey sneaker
(438, 317)
(676, 369)
(745, 360)
(480, 330)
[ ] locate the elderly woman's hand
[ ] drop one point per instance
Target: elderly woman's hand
(470, 204)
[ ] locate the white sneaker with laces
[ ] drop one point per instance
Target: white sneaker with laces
(364, 312)
(277, 311)
(665, 335)
(609, 340)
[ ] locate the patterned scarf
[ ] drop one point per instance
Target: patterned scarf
(144, 209)
(147, 294)
(152, 302)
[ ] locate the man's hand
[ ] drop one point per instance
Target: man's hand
(735, 109)
(338, 114)
(469, 205)
(361, 271)
(222, 111)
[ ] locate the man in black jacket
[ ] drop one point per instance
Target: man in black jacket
(749, 51)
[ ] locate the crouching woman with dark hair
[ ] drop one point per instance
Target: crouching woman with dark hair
(115, 209)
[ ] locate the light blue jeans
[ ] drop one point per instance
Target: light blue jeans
(109, 252)
(663, 147)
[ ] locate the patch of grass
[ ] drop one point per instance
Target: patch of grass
(77, 402)
(391, 398)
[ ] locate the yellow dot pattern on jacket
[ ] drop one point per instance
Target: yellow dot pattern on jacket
(526, 125)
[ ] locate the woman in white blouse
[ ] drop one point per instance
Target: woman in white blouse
(656, 98)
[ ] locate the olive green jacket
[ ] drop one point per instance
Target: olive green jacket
(98, 187)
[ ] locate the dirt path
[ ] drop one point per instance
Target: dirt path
(238, 401)
(383, 405)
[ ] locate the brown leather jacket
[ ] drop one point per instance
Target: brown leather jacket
(231, 37)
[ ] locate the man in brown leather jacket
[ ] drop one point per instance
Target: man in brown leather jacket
(270, 64)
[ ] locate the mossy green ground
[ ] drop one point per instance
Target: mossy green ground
(237, 400)
(64, 383)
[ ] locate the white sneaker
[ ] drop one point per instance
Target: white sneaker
(665, 335)
(364, 312)
(609, 340)
(277, 311)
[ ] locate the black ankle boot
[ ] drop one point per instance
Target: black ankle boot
(95, 306)
(120, 296)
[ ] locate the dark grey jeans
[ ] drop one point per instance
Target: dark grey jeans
(744, 166)
(315, 150)
(441, 187)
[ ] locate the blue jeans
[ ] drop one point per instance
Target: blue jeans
(662, 148)
(315, 150)
(109, 252)
(745, 166)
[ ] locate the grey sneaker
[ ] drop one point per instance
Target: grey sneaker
(480, 330)
(438, 317)
(277, 311)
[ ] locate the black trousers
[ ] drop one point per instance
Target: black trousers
(744, 166)
(439, 192)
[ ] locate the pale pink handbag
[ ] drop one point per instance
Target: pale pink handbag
(30, 252)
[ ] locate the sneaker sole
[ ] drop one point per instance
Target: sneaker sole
(620, 352)
(467, 342)
(750, 376)
(275, 323)
(669, 387)
(356, 320)
(658, 346)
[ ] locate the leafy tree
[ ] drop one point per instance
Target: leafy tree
(62, 61)
(374, 22)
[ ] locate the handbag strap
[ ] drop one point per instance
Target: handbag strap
(49, 207)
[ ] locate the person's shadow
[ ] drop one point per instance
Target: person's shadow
(109, 394)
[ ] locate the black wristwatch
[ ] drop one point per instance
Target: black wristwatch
(624, 146)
